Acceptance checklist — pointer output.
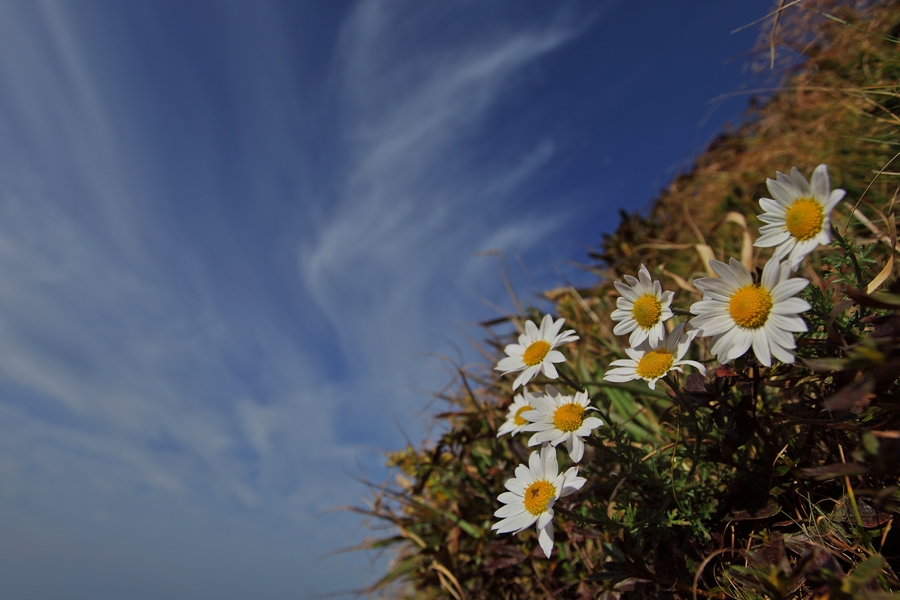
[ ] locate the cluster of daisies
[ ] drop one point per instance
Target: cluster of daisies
(738, 312)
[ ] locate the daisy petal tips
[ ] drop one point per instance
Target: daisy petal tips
(536, 351)
(642, 308)
(532, 493)
(798, 216)
(650, 363)
(740, 314)
(558, 419)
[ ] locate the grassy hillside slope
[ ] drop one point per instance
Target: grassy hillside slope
(751, 481)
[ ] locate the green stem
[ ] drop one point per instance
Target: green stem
(856, 268)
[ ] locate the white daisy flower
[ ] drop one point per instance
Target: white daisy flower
(798, 219)
(650, 363)
(514, 419)
(532, 493)
(642, 308)
(559, 418)
(738, 313)
(536, 351)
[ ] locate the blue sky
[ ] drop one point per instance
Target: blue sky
(235, 239)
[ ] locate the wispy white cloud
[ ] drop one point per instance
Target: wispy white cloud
(158, 371)
(425, 187)
(133, 383)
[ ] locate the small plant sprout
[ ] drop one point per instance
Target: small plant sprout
(642, 309)
(532, 493)
(652, 362)
(558, 418)
(739, 313)
(514, 419)
(536, 351)
(798, 216)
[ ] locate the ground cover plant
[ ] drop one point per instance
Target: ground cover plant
(719, 416)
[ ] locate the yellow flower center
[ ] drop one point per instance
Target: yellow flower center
(655, 364)
(518, 419)
(538, 496)
(536, 353)
(646, 311)
(750, 306)
(804, 219)
(568, 417)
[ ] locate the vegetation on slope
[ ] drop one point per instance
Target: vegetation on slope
(752, 481)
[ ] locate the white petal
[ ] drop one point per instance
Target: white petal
(791, 306)
(511, 498)
(784, 249)
(515, 486)
(761, 347)
(592, 423)
(549, 370)
(779, 337)
(723, 271)
(572, 483)
(786, 323)
(770, 275)
(821, 186)
(695, 364)
(510, 510)
(771, 206)
(800, 182)
(524, 475)
(545, 539)
(772, 219)
(538, 426)
(506, 428)
(771, 238)
(718, 288)
(723, 343)
(575, 447)
(780, 193)
(544, 519)
(555, 356)
(516, 523)
(835, 197)
(581, 398)
(802, 250)
(620, 375)
(787, 288)
(782, 354)
(525, 376)
(509, 364)
(552, 327)
(550, 464)
(548, 435)
(740, 272)
(625, 326)
(627, 293)
(740, 343)
(637, 336)
(644, 276)
(534, 464)
(624, 362)
(624, 310)
(656, 334)
(705, 308)
(564, 338)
